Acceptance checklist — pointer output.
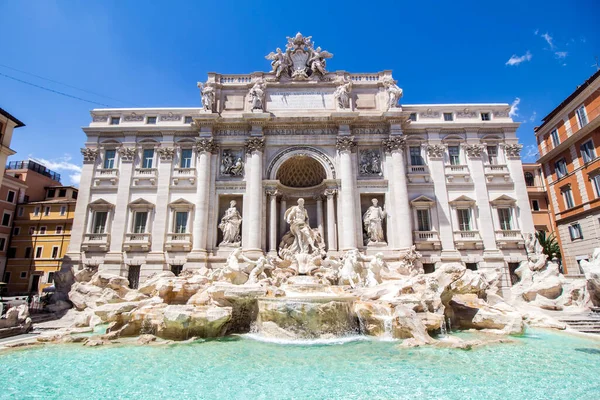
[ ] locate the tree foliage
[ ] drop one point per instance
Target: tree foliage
(549, 244)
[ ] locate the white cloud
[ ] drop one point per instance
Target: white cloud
(561, 54)
(530, 153)
(62, 164)
(514, 108)
(536, 32)
(548, 39)
(532, 118)
(516, 60)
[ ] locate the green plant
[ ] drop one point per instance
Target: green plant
(549, 244)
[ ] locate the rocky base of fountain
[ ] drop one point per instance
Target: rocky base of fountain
(399, 304)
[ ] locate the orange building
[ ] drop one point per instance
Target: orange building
(12, 190)
(538, 198)
(568, 142)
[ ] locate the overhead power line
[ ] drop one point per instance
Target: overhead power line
(67, 85)
(53, 91)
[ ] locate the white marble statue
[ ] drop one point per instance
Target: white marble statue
(230, 225)
(232, 271)
(280, 62)
(297, 217)
(256, 95)
(352, 269)
(208, 96)
(373, 223)
(316, 61)
(342, 95)
(257, 273)
(393, 91)
(376, 266)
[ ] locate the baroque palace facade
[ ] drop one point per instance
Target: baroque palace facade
(184, 187)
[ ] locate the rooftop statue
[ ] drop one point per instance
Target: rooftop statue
(393, 91)
(300, 61)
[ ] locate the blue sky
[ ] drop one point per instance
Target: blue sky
(151, 54)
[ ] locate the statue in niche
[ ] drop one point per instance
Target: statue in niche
(231, 165)
(257, 95)
(373, 223)
(208, 96)
(370, 162)
(280, 62)
(393, 91)
(342, 94)
(297, 217)
(230, 226)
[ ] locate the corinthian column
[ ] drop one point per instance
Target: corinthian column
(344, 145)
(204, 148)
(331, 239)
(272, 220)
(400, 212)
(251, 241)
(319, 200)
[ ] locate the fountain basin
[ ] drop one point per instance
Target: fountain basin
(306, 317)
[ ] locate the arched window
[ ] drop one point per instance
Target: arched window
(529, 181)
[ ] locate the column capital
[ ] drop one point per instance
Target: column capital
(345, 143)
(473, 150)
(127, 154)
(205, 145)
(436, 150)
(166, 153)
(255, 144)
(330, 193)
(89, 155)
(513, 150)
(394, 143)
(272, 191)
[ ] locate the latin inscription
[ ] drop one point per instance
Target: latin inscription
(300, 100)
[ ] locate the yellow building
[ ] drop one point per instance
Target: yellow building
(40, 238)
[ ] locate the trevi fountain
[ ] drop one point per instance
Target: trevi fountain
(308, 318)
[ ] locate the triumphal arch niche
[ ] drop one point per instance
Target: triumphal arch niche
(319, 153)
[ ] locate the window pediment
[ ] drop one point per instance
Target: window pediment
(504, 200)
(141, 204)
(462, 201)
(181, 204)
(101, 205)
(423, 202)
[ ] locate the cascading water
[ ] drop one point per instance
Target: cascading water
(387, 328)
(443, 329)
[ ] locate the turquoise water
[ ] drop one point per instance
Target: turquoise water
(542, 365)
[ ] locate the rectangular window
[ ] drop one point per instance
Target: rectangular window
(147, 158)
(505, 218)
(6, 219)
(492, 153)
(7, 277)
(46, 211)
(151, 120)
(20, 212)
(588, 153)
(10, 197)
(115, 120)
(188, 120)
(555, 139)
(59, 230)
(109, 159)
(448, 117)
(74, 194)
(596, 182)
(423, 222)
(186, 158)
(23, 275)
(27, 252)
(54, 251)
(415, 155)
(12, 252)
(31, 230)
(464, 219)
(42, 230)
(485, 116)
(575, 232)
(581, 116)
(561, 168)
(50, 277)
(140, 222)
(36, 211)
(51, 193)
(535, 205)
(100, 221)
(568, 197)
(17, 231)
(454, 154)
(413, 116)
(181, 218)
(62, 193)
(2, 243)
(471, 266)
(176, 269)
(38, 252)
(63, 210)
